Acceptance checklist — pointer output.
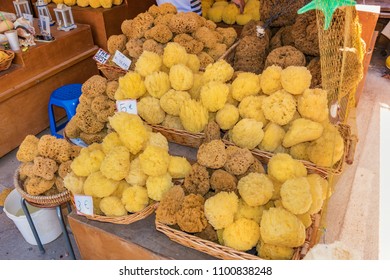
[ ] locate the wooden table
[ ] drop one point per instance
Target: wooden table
(25, 88)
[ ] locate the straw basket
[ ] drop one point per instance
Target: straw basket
(226, 253)
(4, 65)
(181, 137)
(40, 200)
(337, 169)
(111, 72)
(123, 220)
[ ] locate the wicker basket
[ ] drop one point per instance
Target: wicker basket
(111, 72)
(226, 253)
(181, 137)
(7, 63)
(337, 169)
(40, 200)
(123, 220)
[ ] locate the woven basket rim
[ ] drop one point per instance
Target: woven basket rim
(122, 220)
(227, 253)
(48, 201)
(7, 63)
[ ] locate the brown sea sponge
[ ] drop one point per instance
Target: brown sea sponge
(305, 34)
(229, 35)
(152, 46)
(37, 185)
(71, 129)
(160, 33)
(197, 181)
(205, 59)
(238, 160)
(212, 132)
(206, 36)
(191, 45)
(314, 67)
(135, 47)
(212, 154)
(285, 56)
(222, 180)
(185, 22)
(28, 149)
(90, 138)
(169, 205)
(190, 217)
(116, 42)
(94, 86)
(88, 122)
(209, 233)
(64, 169)
(103, 107)
(280, 12)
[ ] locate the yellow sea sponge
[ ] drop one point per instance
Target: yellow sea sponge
(148, 63)
(136, 176)
(122, 186)
(299, 151)
(282, 167)
(131, 86)
(273, 136)
(99, 186)
(270, 79)
(83, 3)
(157, 83)
(154, 161)
(150, 110)
(250, 108)
(135, 198)
(328, 149)
(274, 252)
(74, 183)
(220, 71)
(220, 209)
(116, 164)
(28, 149)
(112, 206)
(279, 107)
(159, 140)
(249, 212)
(157, 186)
(94, 3)
(247, 133)
(227, 116)
(296, 195)
(244, 85)
(243, 234)
(302, 130)
(172, 122)
(214, 95)
(193, 62)
(131, 131)
(179, 167)
(316, 182)
(282, 228)
(313, 104)
(174, 54)
(255, 189)
(198, 83)
(181, 77)
(295, 79)
(215, 13)
(87, 162)
(173, 100)
(193, 116)
(111, 141)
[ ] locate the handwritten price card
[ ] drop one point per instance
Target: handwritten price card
(121, 60)
(84, 204)
(127, 105)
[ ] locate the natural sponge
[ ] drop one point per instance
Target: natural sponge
(157, 83)
(135, 198)
(194, 116)
(179, 167)
(116, 164)
(112, 206)
(190, 217)
(283, 167)
(273, 137)
(270, 79)
(131, 86)
(247, 133)
(220, 71)
(279, 107)
(313, 104)
(282, 228)
(302, 130)
(169, 205)
(148, 63)
(227, 116)
(255, 189)
(157, 186)
(154, 161)
(295, 79)
(243, 234)
(181, 77)
(98, 185)
(212, 154)
(296, 195)
(150, 110)
(220, 209)
(28, 149)
(244, 85)
(174, 54)
(172, 101)
(214, 95)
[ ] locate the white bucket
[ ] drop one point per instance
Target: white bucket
(45, 219)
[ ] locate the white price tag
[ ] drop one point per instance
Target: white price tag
(78, 142)
(128, 106)
(101, 56)
(45, 25)
(84, 204)
(29, 18)
(121, 60)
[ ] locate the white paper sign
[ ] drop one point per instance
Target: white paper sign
(101, 56)
(127, 105)
(121, 60)
(45, 25)
(84, 204)
(29, 18)
(78, 142)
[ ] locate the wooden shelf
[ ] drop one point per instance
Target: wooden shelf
(25, 88)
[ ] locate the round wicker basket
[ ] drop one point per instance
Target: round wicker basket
(40, 200)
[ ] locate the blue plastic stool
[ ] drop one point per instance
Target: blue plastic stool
(66, 97)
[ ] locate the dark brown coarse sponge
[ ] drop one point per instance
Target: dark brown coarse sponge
(285, 56)
(280, 12)
(305, 34)
(314, 67)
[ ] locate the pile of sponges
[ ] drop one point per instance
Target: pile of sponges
(85, 3)
(228, 198)
(44, 164)
(130, 169)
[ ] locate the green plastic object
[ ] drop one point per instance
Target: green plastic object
(328, 7)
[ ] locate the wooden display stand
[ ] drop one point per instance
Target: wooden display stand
(25, 88)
